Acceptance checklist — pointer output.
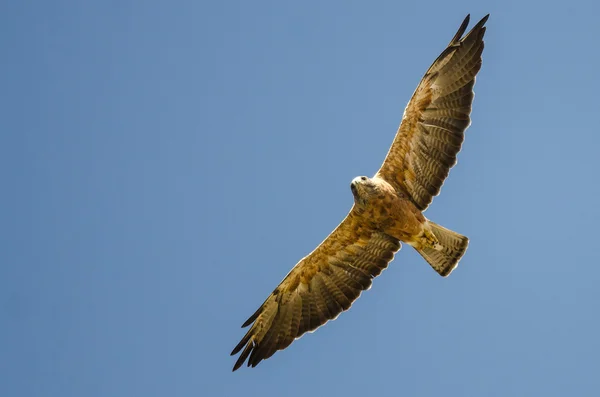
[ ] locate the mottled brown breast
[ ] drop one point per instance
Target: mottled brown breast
(392, 213)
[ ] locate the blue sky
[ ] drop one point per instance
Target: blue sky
(164, 165)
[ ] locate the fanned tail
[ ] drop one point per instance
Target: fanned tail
(444, 256)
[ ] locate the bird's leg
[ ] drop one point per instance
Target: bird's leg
(428, 239)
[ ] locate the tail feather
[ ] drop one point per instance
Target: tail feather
(444, 257)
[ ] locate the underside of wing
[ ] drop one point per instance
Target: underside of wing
(432, 129)
(317, 289)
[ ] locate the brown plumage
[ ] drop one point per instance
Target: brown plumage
(387, 210)
(432, 128)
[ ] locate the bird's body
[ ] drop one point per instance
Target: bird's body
(378, 205)
(388, 209)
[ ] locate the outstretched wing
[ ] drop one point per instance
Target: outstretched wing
(432, 128)
(317, 289)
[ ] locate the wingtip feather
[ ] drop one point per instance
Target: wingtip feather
(243, 356)
(479, 25)
(242, 343)
(248, 322)
(463, 27)
(461, 30)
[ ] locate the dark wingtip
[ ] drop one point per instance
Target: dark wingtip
(239, 346)
(463, 27)
(254, 316)
(481, 22)
(242, 343)
(466, 21)
(237, 366)
(243, 356)
(461, 30)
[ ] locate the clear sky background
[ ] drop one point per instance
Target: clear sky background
(164, 165)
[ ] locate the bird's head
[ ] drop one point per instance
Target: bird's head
(363, 189)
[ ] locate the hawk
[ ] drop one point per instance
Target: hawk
(388, 209)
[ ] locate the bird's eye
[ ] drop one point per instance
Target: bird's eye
(363, 178)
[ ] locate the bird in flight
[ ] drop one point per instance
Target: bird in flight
(388, 209)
